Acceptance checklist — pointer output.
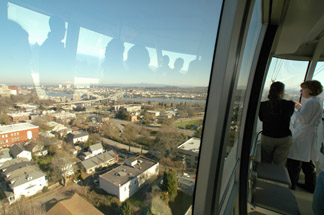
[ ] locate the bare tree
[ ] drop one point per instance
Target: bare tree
(24, 207)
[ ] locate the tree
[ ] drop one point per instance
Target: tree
(126, 209)
(110, 130)
(170, 183)
(130, 133)
(158, 206)
(198, 132)
(122, 114)
(60, 166)
(147, 118)
(166, 142)
(5, 119)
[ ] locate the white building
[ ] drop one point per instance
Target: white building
(102, 160)
(64, 115)
(189, 151)
(125, 180)
(27, 184)
(96, 149)
(77, 136)
(18, 151)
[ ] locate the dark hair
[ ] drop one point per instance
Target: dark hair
(275, 93)
(314, 86)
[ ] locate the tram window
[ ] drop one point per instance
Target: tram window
(243, 78)
(319, 75)
(290, 72)
(105, 56)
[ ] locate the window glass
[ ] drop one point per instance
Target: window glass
(319, 75)
(290, 72)
(244, 73)
(131, 77)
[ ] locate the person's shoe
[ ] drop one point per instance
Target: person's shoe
(306, 187)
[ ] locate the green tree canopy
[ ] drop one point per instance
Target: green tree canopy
(170, 183)
(126, 209)
(122, 114)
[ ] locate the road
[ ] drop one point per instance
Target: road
(122, 146)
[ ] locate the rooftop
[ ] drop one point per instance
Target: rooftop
(4, 154)
(96, 160)
(124, 173)
(74, 206)
(12, 162)
(16, 150)
(192, 144)
(16, 127)
(26, 177)
(95, 147)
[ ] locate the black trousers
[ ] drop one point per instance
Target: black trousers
(294, 167)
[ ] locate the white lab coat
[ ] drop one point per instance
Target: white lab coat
(304, 130)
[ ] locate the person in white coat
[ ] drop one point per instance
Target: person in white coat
(318, 206)
(305, 121)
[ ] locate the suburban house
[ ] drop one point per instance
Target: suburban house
(125, 180)
(36, 148)
(58, 128)
(18, 151)
(4, 155)
(8, 163)
(76, 205)
(19, 117)
(77, 136)
(102, 160)
(26, 184)
(47, 134)
(96, 149)
(85, 155)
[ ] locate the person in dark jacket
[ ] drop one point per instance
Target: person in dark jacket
(275, 115)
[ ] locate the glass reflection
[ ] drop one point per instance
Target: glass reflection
(131, 78)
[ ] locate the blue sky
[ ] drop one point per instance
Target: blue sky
(91, 55)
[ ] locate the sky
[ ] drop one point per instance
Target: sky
(50, 65)
(90, 59)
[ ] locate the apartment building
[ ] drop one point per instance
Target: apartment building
(17, 133)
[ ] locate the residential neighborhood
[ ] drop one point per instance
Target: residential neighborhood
(101, 141)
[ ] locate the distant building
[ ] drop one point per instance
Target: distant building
(17, 133)
(131, 108)
(65, 115)
(96, 149)
(168, 114)
(37, 149)
(77, 136)
(76, 205)
(189, 151)
(47, 134)
(26, 184)
(102, 160)
(125, 180)
(14, 89)
(4, 156)
(154, 114)
(58, 128)
(186, 184)
(4, 90)
(19, 117)
(27, 107)
(133, 118)
(18, 151)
